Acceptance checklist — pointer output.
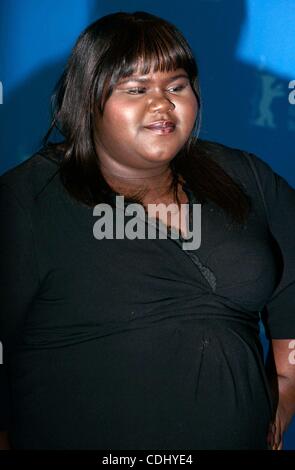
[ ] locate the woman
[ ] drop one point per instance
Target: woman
(131, 343)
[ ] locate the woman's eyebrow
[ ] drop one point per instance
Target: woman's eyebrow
(146, 79)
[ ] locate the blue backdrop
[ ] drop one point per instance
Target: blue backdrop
(245, 52)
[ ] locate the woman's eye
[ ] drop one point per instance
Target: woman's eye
(178, 88)
(136, 91)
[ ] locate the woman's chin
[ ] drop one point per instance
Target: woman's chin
(159, 157)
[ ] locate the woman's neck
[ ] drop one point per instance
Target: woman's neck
(153, 187)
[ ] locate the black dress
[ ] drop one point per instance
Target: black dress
(139, 344)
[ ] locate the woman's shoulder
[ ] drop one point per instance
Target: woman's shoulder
(224, 154)
(27, 179)
(240, 163)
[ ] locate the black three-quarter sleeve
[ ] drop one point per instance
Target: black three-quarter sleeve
(18, 284)
(279, 199)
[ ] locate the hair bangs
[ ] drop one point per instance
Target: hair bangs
(147, 47)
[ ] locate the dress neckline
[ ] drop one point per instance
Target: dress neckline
(170, 229)
(161, 226)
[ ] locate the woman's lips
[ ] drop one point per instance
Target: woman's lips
(161, 130)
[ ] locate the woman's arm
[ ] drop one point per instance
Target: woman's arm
(281, 368)
(19, 280)
(4, 441)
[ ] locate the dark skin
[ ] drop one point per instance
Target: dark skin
(281, 372)
(133, 157)
(155, 195)
(4, 441)
(129, 151)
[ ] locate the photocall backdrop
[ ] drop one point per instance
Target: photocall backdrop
(245, 53)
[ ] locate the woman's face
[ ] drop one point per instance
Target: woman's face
(122, 138)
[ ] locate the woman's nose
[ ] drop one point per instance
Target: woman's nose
(162, 103)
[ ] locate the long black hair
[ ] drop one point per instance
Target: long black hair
(110, 49)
